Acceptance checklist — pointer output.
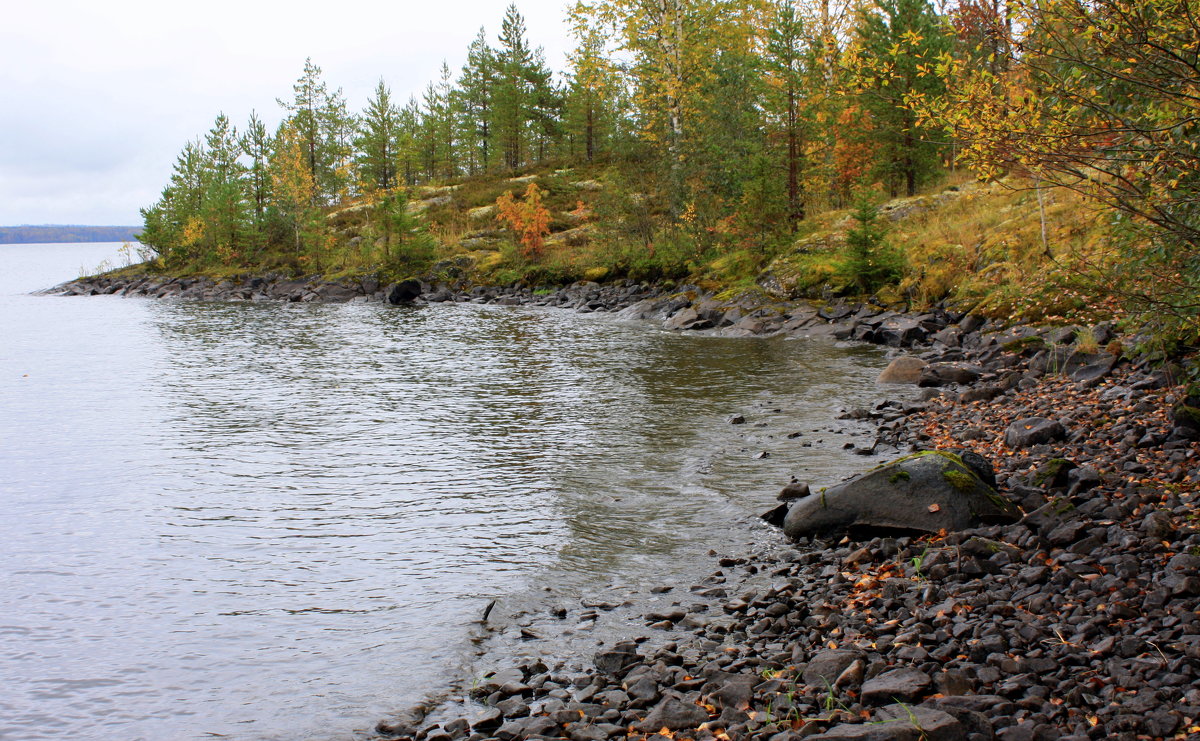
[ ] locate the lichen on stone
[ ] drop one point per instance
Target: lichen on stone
(960, 480)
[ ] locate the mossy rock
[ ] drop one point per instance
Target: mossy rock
(922, 493)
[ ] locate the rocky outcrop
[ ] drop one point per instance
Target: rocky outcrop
(926, 492)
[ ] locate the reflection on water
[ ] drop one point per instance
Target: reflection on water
(278, 521)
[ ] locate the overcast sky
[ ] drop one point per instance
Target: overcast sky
(96, 99)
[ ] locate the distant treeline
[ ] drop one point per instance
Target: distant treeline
(66, 233)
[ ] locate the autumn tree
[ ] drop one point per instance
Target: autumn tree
(1098, 96)
(292, 183)
(672, 45)
(528, 218)
(593, 92)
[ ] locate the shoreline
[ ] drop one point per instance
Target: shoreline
(1080, 620)
(684, 308)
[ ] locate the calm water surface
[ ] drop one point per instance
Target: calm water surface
(271, 521)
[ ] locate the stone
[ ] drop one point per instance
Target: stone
(897, 685)
(926, 492)
(793, 491)
(1093, 373)
(900, 332)
(870, 732)
(335, 292)
(730, 690)
(687, 318)
(986, 392)
(673, 714)
(904, 369)
(930, 724)
(404, 292)
(622, 656)
(1033, 431)
(489, 720)
(527, 727)
(944, 374)
(825, 668)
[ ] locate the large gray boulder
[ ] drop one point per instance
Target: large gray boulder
(925, 492)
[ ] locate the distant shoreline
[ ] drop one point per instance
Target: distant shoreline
(61, 233)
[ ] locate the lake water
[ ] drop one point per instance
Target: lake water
(270, 521)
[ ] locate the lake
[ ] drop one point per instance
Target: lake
(280, 521)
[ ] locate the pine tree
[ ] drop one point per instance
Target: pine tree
(408, 144)
(785, 59)
(339, 127)
(378, 141)
(326, 132)
(899, 43)
(225, 207)
(513, 99)
(476, 89)
(177, 211)
(256, 145)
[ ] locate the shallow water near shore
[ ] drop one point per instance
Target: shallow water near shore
(268, 521)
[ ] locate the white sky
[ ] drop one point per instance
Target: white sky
(96, 99)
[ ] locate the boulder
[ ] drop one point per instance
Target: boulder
(904, 369)
(404, 292)
(901, 332)
(944, 374)
(1093, 373)
(1033, 431)
(926, 492)
(688, 318)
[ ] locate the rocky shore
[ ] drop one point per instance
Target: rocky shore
(1079, 618)
(685, 308)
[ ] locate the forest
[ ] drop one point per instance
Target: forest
(718, 139)
(64, 233)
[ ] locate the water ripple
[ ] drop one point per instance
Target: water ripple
(278, 521)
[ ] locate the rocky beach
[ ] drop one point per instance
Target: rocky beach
(1072, 615)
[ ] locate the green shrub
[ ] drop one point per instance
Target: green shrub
(868, 262)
